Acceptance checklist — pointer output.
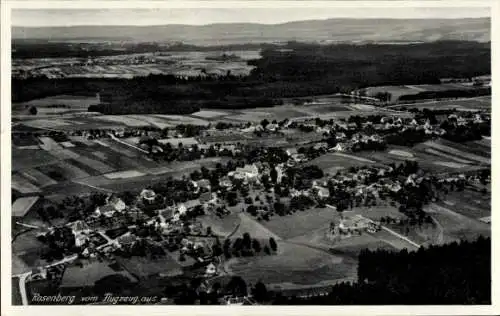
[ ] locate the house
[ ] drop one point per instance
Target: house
(249, 171)
(81, 239)
(207, 197)
(148, 196)
(106, 210)
(272, 127)
(113, 204)
(204, 184)
(187, 206)
(291, 151)
(322, 192)
(339, 147)
(210, 270)
(226, 183)
(126, 239)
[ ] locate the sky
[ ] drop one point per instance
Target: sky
(202, 16)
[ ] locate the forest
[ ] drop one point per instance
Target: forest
(295, 70)
(456, 273)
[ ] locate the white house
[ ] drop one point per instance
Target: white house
(323, 192)
(116, 203)
(148, 195)
(250, 171)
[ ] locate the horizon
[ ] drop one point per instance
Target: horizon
(46, 18)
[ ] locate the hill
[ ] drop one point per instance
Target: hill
(331, 30)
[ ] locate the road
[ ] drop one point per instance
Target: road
(24, 276)
(28, 226)
(113, 137)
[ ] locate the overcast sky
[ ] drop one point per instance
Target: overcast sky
(53, 17)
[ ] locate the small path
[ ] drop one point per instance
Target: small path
(113, 137)
(94, 187)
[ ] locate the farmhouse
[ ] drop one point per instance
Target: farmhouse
(322, 192)
(291, 151)
(187, 206)
(204, 184)
(249, 171)
(357, 224)
(226, 183)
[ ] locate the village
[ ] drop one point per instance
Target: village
(152, 223)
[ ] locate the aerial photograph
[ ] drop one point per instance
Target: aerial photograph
(251, 156)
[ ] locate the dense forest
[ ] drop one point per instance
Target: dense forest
(456, 273)
(295, 70)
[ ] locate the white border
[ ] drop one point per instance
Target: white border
(5, 142)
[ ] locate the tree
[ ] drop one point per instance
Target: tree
(264, 123)
(247, 240)
(260, 293)
(237, 287)
(267, 251)
(209, 230)
(256, 245)
(33, 110)
(273, 244)
(273, 174)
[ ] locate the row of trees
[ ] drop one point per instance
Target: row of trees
(247, 246)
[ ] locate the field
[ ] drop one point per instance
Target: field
(469, 203)
(437, 156)
(296, 264)
(22, 184)
(143, 267)
(399, 91)
(469, 104)
(328, 108)
(55, 105)
(301, 222)
(396, 91)
(204, 114)
(175, 63)
(103, 164)
(456, 226)
(332, 162)
(401, 153)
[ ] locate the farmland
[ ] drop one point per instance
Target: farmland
(457, 226)
(469, 104)
(407, 90)
(333, 162)
(301, 222)
(295, 263)
(131, 65)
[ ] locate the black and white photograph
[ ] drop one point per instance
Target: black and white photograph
(268, 155)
